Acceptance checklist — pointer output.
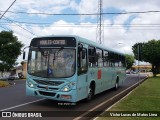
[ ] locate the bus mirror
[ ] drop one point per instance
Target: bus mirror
(80, 47)
(83, 53)
(24, 55)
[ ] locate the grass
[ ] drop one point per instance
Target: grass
(146, 97)
(3, 83)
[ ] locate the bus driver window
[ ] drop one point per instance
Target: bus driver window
(82, 60)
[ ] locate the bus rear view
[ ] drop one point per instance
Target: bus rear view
(52, 68)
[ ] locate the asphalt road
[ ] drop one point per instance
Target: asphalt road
(13, 98)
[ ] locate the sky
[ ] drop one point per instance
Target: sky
(121, 31)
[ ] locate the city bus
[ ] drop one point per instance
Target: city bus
(72, 68)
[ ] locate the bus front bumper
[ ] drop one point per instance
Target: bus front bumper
(54, 95)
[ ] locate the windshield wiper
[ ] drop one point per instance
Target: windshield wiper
(60, 49)
(40, 49)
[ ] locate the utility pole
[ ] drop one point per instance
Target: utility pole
(100, 27)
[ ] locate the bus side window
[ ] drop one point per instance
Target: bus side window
(105, 59)
(82, 61)
(110, 59)
(92, 58)
(116, 60)
(99, 57)
(123, 61)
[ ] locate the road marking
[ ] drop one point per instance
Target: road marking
(21, 105)
(114, 104)
(93, 109)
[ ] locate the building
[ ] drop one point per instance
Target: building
(142, 68)
(24, 68)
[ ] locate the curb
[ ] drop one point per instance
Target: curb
(107, 104)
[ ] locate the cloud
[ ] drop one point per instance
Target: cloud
(5, 4)
(133, 5)
(115, 33)
(46, 6)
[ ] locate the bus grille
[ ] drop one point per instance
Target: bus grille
(47, 93)
(54, 83)
(43, 87)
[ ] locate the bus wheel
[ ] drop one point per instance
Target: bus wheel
(90, 93)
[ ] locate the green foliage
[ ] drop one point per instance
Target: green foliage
(149, 52)
(129, 61)
(135, 51)
(10, 49)
(152, 52)
(143, 98)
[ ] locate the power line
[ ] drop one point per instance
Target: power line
(32, 24)
(18, 25)
(12, 20)
(104, 13)
(15, 32)
(7, 9)
(28, 22)
(131, 29)
(92, 25)
(78, 23)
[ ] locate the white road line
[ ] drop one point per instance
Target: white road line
(21, 105)
(78, 118)
(114, 104)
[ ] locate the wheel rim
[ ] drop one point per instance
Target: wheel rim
(116, 85)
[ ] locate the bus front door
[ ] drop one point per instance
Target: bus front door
(82, 74)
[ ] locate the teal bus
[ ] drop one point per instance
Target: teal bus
(72, 68)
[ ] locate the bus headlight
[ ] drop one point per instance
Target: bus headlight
(30, 84)
(68, 87)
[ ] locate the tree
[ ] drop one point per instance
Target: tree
(150, 52)
(135, 51)
(10, 49)
(129, 61)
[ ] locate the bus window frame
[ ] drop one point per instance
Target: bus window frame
(105, 60)
(92, 56)
(80, 69)
(98, 49)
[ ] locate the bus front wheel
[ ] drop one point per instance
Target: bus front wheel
(90, 93)
(116, 84)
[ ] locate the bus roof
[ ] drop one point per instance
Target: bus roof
(87, 41)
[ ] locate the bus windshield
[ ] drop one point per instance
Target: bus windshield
(51, 63)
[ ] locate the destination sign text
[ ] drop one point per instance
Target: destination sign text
(52, 42)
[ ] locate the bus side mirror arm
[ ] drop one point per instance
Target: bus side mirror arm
(80, 47)
(24, 53)
(83, 54)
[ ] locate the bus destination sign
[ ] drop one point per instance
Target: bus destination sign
(52, 42)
